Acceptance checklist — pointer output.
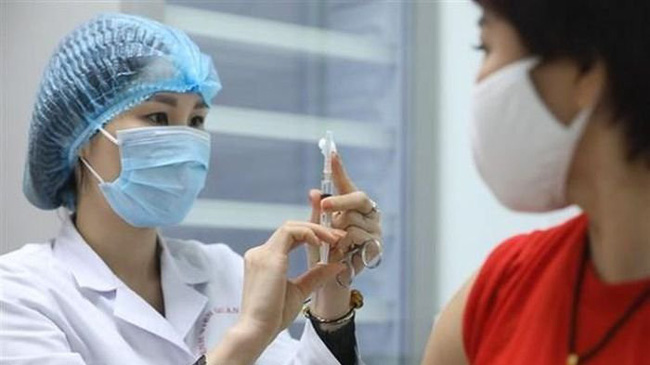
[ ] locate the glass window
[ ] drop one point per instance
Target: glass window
(291, 71)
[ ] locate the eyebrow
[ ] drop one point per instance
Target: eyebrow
(171, 101)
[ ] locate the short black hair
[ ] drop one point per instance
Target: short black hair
(614, 31)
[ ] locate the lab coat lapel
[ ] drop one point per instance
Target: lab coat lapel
(183, 302)
(179, 275)
(87, 268)
(132, 309)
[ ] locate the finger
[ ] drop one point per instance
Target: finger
(357, 200)
(357, 264)
(316, 277)
(294, 236)
(314, 199)
(313, 252)
(344, 220)
(290, 236)
(335, 255)
(337, 233)
(356, 236)
(340, 177)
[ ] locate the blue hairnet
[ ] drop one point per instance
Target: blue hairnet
(103, 68)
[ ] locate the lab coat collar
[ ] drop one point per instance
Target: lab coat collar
(90, 271)
(189, 264)
(87, 268)
(181, 270)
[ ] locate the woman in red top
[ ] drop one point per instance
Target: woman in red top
(561, 116)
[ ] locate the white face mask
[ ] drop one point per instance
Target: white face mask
(520, 148)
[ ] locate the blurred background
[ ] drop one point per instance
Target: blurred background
(391, 79)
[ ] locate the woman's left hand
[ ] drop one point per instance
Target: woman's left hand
(354, 212)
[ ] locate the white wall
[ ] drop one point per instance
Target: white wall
(471, 222)
(30, 32)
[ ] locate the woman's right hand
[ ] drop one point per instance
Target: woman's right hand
(270, 300)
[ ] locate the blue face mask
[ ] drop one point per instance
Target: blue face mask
(163, 171)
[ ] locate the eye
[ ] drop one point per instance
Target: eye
(197, 121)
(481, 47)
(158, 118)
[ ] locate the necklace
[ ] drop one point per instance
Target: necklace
(574, 358)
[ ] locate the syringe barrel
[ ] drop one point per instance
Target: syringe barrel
(326, 187)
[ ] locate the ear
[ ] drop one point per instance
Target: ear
(591, 84)
(84, 151)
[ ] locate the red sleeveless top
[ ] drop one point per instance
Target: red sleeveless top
(519, 309)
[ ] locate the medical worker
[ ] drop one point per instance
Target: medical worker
(561, 116)
(117, 138)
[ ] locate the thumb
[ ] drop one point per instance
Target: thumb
(342, 181)
(314, 199)
(316, 277)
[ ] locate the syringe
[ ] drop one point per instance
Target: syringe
(327, 147)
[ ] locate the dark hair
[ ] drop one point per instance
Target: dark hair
(616, 32)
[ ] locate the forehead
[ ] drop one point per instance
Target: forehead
(490, 18)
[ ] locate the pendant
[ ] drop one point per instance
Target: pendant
(573, 359)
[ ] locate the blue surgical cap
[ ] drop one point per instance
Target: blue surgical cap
(103, 68)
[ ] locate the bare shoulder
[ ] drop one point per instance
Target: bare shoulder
(445, 345)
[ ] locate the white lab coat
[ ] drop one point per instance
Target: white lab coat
(61, 304)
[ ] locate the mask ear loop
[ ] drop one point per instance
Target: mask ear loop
(90, 168)
(92, 171)
(109, 136)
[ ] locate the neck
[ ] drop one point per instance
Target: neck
(615, 194)
(130, 252)
(620, 237)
